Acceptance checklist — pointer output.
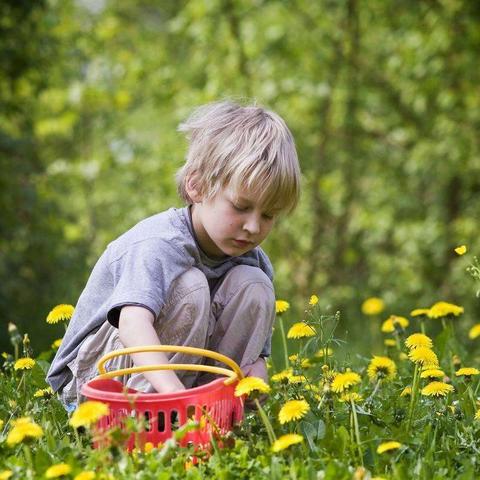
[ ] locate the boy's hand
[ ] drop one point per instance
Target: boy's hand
(256, 369)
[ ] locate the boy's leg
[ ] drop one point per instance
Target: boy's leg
(244, 309)
(185, 320)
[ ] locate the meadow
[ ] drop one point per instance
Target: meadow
(410, 410)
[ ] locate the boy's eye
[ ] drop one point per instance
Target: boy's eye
(239, 208)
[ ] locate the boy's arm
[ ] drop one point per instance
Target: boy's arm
(135, 329)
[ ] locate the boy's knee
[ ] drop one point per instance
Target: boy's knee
(185, 317)
(251, 283)
(192, 284)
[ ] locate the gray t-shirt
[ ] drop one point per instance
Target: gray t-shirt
(138, 268)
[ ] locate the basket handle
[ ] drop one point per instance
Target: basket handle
(233, 374)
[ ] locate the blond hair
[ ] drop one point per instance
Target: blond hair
(245, 148)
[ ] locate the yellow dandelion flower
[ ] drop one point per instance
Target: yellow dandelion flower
(148, 447)
(297, 379)
(25, 363)
(88, 413)
(394, 322)
(390, 342)
(442, 309)
(5, 474)
(467, 372)
(281, 306)
(321, 352)
(60, 313)
(351, 397)
(283, 375)
(406, 392)
(343, 381)
(437, 389)
(418, 340)
(286, 441)
(58, 470)
(43, 392)
(86, 475)
(474, 332)
(419, 311)
(381, 368)
(305, 363)
(403, 356)
(56, 344)
(293, 410)
(313, 300)
(248, 385)
(301, 330)
(432, 373)
(373, 306)
(423, 355)
(461, 250)
(477, 415)
(23, 428)
(388, 447)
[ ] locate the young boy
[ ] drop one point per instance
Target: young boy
(192, 276)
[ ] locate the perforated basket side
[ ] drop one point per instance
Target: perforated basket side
(214, 406)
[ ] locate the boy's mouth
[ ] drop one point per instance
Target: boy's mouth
(242, 243)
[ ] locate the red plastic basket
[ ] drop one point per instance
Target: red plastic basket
(214, 405)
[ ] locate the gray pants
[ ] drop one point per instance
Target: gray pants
(236, 321)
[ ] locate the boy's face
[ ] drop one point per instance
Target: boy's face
(230, 223)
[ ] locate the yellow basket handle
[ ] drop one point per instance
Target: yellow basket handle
(233, 374)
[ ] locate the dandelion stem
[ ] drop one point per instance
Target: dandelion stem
(413, 397)
(28, 458)
(375, 390)
(422, 326)
(476, 389)
(284, 341)
(397, 341)
(472, 398)
(266, 422)
(357, 430)
(77, 438)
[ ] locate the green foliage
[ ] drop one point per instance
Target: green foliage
(341, 435)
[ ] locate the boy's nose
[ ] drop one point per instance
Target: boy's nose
(252, 225)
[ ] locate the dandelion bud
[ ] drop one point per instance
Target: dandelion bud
(360, 474)
(456, 360)
(15, 337)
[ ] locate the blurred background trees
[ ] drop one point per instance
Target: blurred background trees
(382, 98)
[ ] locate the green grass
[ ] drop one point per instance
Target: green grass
(438, 437)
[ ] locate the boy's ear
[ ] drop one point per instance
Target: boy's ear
(192, 189)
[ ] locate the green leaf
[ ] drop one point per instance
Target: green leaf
(309, 432)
